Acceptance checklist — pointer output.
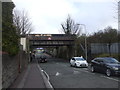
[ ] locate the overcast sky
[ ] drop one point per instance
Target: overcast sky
(47, 15)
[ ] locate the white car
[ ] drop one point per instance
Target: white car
(78, 62)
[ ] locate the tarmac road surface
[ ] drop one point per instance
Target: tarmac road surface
(62, 75)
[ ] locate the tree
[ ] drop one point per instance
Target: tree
(110, 36)
(9, 36)
(70, 27)
(22, 22)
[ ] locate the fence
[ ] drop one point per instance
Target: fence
(97, 48)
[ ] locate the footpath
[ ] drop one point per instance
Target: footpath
(32, 77)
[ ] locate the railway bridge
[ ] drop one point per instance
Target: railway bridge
(51, 41)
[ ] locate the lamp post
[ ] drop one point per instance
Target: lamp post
(85, 39)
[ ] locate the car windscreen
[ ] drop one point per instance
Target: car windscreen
(110, 60)
(80, 59)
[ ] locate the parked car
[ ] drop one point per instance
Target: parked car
(78, 62)
(108, 65)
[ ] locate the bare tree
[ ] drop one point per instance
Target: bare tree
(22, 22)
(70, 27)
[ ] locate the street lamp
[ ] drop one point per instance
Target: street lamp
(85, 39)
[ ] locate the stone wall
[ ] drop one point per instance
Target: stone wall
(12, 66)
(0, 71)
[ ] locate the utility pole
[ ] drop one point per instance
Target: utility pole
(85, 40)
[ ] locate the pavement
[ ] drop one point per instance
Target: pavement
(32, 77)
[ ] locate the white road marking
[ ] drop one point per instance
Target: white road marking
(84, 70)
(111, 78)
(76, 72)
(46, 80)
(57, 74)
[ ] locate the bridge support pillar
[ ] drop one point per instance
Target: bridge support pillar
(70, 52)
(57, 52)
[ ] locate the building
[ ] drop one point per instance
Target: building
(23, 43)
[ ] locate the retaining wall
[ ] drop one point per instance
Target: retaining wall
(12, 66)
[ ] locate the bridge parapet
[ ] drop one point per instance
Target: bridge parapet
(51, 40)
(51, 37)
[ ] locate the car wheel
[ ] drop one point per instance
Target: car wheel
(75, 65)
(108, 72)
(92, 69)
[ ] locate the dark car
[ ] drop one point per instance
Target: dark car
(42, 59)
(108, 65)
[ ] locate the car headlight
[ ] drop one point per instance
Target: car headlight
(115, 68)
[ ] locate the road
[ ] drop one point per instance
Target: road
(62, 75)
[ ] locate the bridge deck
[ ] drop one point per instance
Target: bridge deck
(51, 39)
